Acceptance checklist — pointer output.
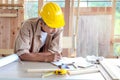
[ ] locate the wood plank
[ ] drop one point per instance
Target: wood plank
(0, 32)
(13, 31)
(12, 1)
(20, 17)
(7, 11)
(66, 15)
(8, 15)
(0, 1)
(71, 30)
(6, 42)
(113, 26)
(6, 1)
(6, 32)
(117, 41)
(66, 28)
(6, 51)
(6, 29)
(67, 40)
(11, 5)
(20, 14)
(76, 28)
(21, 1)
(93, 11)
(40, 4)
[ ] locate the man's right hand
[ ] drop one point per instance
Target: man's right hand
(50, 57)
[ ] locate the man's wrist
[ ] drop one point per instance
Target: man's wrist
(51, 51)
(46, 59)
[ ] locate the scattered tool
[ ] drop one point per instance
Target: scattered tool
(49, 72)
(61, 72)
(56, 72)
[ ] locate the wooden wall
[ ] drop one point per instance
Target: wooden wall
(11, 15)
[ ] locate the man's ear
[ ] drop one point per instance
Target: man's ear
(42, 23)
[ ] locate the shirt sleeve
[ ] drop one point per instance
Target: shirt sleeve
(56, 44)
(22, 43)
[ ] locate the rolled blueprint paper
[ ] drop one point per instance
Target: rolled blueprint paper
(9, 59)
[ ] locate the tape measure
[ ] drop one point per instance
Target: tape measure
(56, 72)
(61, 72)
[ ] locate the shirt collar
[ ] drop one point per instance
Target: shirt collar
(38, 29)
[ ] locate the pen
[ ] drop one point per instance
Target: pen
(74, 65)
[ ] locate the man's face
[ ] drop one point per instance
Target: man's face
(49, 30)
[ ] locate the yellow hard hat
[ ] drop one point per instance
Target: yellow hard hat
(52, 15)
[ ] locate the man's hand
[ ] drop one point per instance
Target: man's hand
(42, 57)
(50, 57)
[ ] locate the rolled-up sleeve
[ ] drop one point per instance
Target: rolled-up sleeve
(22, 43)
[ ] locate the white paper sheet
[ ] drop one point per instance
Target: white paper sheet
(9, 59)
(79, 62)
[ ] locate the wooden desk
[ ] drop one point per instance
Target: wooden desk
(17, 71)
